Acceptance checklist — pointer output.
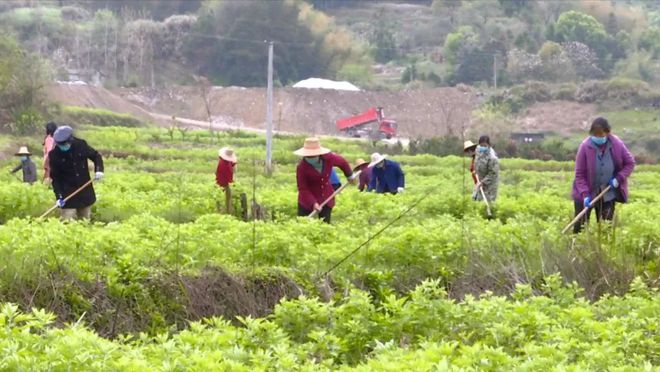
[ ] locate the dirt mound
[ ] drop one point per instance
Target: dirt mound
(93, 97)
(423, 113)
(561, 117)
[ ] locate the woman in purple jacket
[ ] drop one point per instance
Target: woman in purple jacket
(602, 160)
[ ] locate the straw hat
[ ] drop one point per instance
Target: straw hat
(359, 163)
(468, 145)
(228, 154)
(312, 147)
(376, 158)
(23, 151)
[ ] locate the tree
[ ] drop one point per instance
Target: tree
(228, 42)
(22, 79)
(383, 40)
(523, 66)
(451, 6)
(584, 60)
(580, 27)
(455, 41)
(512, 7)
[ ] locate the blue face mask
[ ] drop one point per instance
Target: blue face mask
(598, 140)
(482, 149)
(24, 158)
(64, 147)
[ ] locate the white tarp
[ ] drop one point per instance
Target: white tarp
(316, 83)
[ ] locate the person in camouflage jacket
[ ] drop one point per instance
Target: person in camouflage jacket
(487, 168)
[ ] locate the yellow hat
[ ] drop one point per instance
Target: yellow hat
(312, 147)
(23, 151)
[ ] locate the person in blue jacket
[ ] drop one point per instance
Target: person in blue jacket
(387, 175)
(334, 179)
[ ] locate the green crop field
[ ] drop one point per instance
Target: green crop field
(163, 279)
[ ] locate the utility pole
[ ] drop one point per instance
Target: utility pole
(269, 111)
(495, 71)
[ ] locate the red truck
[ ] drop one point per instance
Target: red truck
(363, 124)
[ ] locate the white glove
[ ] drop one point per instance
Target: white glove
(98, 176)
(399, 189)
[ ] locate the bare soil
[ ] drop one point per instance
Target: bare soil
(419, 113)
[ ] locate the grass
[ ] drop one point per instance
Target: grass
(99, 117)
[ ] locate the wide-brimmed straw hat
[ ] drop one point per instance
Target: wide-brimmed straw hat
(359, 163)
(23, 150)
(228, 154)
(468, 145)
(376, 158)
(312, 147)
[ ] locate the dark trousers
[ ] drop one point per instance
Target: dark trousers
(604, 210)
(325, 213)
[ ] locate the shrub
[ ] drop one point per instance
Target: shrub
(100, 117)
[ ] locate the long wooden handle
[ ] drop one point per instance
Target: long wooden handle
(337, 192)
(483, 196)
(585, 210)
(68, 198)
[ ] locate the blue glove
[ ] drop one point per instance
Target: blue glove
(60, 202)
(614, 183)
(587, 202)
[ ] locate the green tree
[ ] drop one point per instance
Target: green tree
(22, 79)
(455, 41)
(383, 40)
(580, 27)
(228, 43)
(511, 7)
(450, 6)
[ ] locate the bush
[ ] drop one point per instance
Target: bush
(615, 89)
(564, 92)
(100, 117)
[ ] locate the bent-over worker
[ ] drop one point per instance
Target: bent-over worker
(386, 176)
(365, 174)
(313, 176)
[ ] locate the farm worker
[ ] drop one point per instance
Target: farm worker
(602, 159)
(487, 170)
(224, 173)
(69, 171)
(365, 175)
(469, 148)
(27, 165)
(334, 180)
(386, 175)
(313, 176)
(49, 143)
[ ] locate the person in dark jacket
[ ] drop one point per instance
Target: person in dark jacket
(313, 176)
(602, 159)
(365, 174)
(387, 176)
(69, 171)
(27, 165)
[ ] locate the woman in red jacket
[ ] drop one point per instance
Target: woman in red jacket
(224, 174)
(313, 175)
